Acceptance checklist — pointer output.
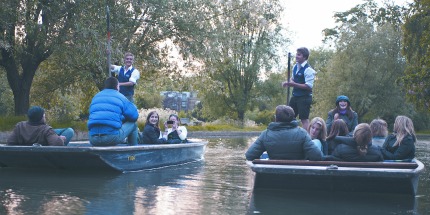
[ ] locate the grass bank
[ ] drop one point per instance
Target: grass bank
(9, 122)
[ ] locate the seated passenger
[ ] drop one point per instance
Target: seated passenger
(339, 128)
(358, 148)
(175, 133)
(112, 117)
(35, 130)
(284, 139)
(151, 132)
(342, 111)
(379, 131)
(318, 131)
(401, 144)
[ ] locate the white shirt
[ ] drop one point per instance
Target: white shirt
(135, 75)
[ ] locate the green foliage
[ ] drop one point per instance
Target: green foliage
(261, 117)
(365, 66)
(269, 93)
(247, 37)
(416, 41)
(7, 123)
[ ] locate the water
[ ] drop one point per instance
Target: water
(221, 184)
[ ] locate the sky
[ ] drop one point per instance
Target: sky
(306, 19)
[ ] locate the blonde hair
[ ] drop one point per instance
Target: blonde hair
(362, 136)
(379, 128)
(323, 132)
(403, 126)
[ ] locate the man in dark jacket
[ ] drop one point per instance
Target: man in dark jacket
(284, 139)
(35, 130)
(112, 117)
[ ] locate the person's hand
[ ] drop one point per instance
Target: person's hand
(63, 138)
(336, 116)
(175, 125)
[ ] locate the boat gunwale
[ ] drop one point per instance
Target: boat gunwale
(338, 171)
(86, 148)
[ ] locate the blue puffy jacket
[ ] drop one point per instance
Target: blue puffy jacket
(109, 109)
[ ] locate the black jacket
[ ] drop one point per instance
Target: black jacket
(284, 140)
(347, 151)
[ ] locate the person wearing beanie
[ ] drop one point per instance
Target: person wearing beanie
(35, 130)
(343, 111)
(112, 117)
(284, 139)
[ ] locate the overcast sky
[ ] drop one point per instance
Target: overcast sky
(307, 18)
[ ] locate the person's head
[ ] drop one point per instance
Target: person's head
(403, 126)
(342, 102)
(128, 59)
(112, 83)
(379, 128)
(338, 128)
(362, 136)
(317, 129)
(175, 118)
(36, 114)
(302, 54)
(152, 118)
(284, 113)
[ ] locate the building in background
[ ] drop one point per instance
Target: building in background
(179, 101)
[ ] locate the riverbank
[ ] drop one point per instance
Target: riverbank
(82, 136)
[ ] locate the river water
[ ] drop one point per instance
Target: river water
(220, 184)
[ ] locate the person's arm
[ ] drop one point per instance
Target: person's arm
(182, 132)
(256, 149)
(354, 121)
(130, 111)
(405, 149)
(329, 121)
(53, 139)
(312, 152)
(153, 135)
(135, 75)
(115, 69)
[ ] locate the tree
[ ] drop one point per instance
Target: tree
(30, 32)
(241, 47)
(415, 49)
(366, 64)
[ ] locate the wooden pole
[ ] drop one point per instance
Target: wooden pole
(108, 41)
(289, 75)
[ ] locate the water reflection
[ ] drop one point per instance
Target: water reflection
(311, 202)
(221, 184)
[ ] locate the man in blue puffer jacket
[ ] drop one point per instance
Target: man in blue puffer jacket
(112, 117)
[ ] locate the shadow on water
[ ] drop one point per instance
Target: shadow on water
(60, 192)
(311, 202)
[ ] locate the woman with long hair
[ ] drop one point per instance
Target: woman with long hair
(359, 147)
(318, 131)
(379, 131)
(400, 145)
(339, 128)
(151, 132)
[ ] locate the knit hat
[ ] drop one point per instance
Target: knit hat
(342, 98)
(35, 114)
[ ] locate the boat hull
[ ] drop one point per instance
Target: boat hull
(82, 156)
(338, 178)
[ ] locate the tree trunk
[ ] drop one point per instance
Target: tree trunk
(21, 99)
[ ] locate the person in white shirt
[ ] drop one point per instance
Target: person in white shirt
(302, 82)
(127, 76)
(174, 132)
